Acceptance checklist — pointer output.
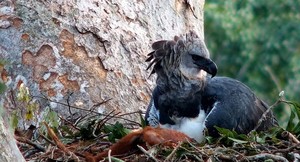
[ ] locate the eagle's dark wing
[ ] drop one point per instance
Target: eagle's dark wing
(231, 104)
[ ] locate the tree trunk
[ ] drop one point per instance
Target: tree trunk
(8, 149)
(86, 52)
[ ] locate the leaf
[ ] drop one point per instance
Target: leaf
(226, 132)
(260, 140)
(210, 139)
(67, 130)
(271, 134)
(51, 118)
(291, 124)
(115, 159)
(296, 104)
(23, 94)
(296, 109)
(143, 122)
(30, 109)
(237, 140)
(230, 136)
(296, 130)
(29, 115)
(116, 131)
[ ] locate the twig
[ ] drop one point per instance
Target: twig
(290, 136)
(289, 149)
(96, 143)
(196, 148)
(225, 157)
(52, 152)
(91, 111)
(71, 124)
(288, 102)
(27, 141)
(69, 108)
(100, 103)
(130, 113)
(264, 156)
(173, 152)
(109, 155)
(79, 108)
(147, 153)
(106, 118)
(103, 121)
(46, 139)
(29, 153)
(59, 144)
(264, 115)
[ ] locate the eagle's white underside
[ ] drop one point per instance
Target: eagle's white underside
(192, 127)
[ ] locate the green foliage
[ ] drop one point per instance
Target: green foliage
(228, 137)
(23, 94)
(94, 127)
(143, 122)
(114, 159)
(87, 129)
(68, 131)
(26, 100)
(293, 125)
(26, 107)
(51, 118)
(116, 131)
(256, 42)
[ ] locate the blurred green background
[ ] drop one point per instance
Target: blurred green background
(258, 43)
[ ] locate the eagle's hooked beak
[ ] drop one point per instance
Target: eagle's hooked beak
(207, 65)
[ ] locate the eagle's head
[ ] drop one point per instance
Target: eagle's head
(184, 57)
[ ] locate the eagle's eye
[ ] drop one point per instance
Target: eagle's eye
(196, 57)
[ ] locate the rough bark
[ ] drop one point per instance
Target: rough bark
(8, 148)
(93, 49)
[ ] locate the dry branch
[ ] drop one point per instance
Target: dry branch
(147, 153)
(27, 141)
(264, 156)
(59, 144)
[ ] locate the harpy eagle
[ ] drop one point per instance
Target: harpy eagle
(188, 100)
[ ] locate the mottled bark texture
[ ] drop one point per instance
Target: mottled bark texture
(93, 49)
(8, 149)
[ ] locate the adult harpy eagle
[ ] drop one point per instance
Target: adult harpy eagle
(188, 100)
